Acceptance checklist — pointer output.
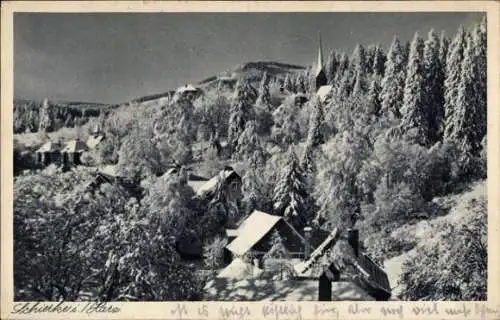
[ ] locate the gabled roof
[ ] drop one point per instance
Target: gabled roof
(304, 268)
(211, 185)
(75, 146)
(372, 275)
(251, 231)
(49, 146)
(187, 88)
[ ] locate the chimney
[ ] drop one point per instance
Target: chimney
(307, 245)
(353, 240)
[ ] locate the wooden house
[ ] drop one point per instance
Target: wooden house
(48, 153)
(71, 153)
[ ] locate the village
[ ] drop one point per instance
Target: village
(356, 177)
(311, 272)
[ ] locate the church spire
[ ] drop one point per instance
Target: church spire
(319, 67)
(320, 73)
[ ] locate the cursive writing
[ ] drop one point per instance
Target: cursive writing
(288, 311)
(64, 307)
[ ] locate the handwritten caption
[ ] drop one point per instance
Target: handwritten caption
(279, 310)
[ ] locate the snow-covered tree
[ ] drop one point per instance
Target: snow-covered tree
(45, 124)
(291, 200)
(264, 98)
(379, 59)
(394, 81)
(343, 66)
(414, 112)
(374, 103)
(331, 66)
(242, 110)
(433, 87)
(470, 115)
(452, 82)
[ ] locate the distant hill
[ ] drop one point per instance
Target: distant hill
(253, 71)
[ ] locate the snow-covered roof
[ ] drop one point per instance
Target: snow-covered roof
(223, 289)
(49, 146)
(239, 269)
(187, 88)
(210, 185)
(323, 92)
(253, 229)
(304, 268)
(75, 146)
(94, 140)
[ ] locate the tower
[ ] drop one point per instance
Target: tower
(320, 76)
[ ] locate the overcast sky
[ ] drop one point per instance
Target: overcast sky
(115, 57)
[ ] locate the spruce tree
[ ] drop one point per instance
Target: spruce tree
(433, 86)
(331, 67)
(242, 111)
(314, 137)
(342, 68)
(264, 98)
(371, 52)
(374, 103)
(414, 111)
(452, 81)
(290, 196)
(443, 51)
(394, 81)
(45, 124)
(479, 38)
(379, 61)
(470, 112)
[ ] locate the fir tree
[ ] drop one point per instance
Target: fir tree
(443, 51)
(276, 259)
(331, 67)
(290, 196)
(374, 103)
(470, 111)
(393, 81)
(315, 137)
(45, 124)
(452, 81)
(379, 61)
(479, 38)
(371, 51)
(342, 68)
(264, 98)
(242, 111)
(300, 83)
(433, 86)
(414, 112)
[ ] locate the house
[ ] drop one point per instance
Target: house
(329, 266)
(72, 152)
(123, 186)
(187, 91)
(48, 153)
(254, 236)
(227, 180)
(324, 275)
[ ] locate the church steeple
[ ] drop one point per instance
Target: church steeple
(320, 73)
(319, 67)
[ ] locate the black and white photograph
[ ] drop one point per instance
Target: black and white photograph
(250, 156)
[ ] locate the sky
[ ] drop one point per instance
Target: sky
(116, 57)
